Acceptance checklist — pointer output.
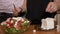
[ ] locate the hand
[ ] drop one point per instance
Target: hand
(16, 10)
(52, 7)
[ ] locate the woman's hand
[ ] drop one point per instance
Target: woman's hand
(16, 10)
(52, 7)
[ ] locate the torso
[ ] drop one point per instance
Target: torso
(8, 5)
(35, 8)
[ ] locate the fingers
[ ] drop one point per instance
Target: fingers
(48, 7)
(16, 10)
(52, 7)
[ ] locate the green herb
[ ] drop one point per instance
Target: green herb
(14, 20)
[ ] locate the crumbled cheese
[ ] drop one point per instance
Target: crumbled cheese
(3, 23)
(27, 21)
(11, 21)
(15, 24)
(7, 24)
(47, 23)
(34, 30)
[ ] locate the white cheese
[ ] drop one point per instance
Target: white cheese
(47, 23)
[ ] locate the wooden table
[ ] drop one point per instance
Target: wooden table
(30, 31)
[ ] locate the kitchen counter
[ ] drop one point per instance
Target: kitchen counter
(30, 31)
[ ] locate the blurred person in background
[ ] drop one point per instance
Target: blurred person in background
(10, 8)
